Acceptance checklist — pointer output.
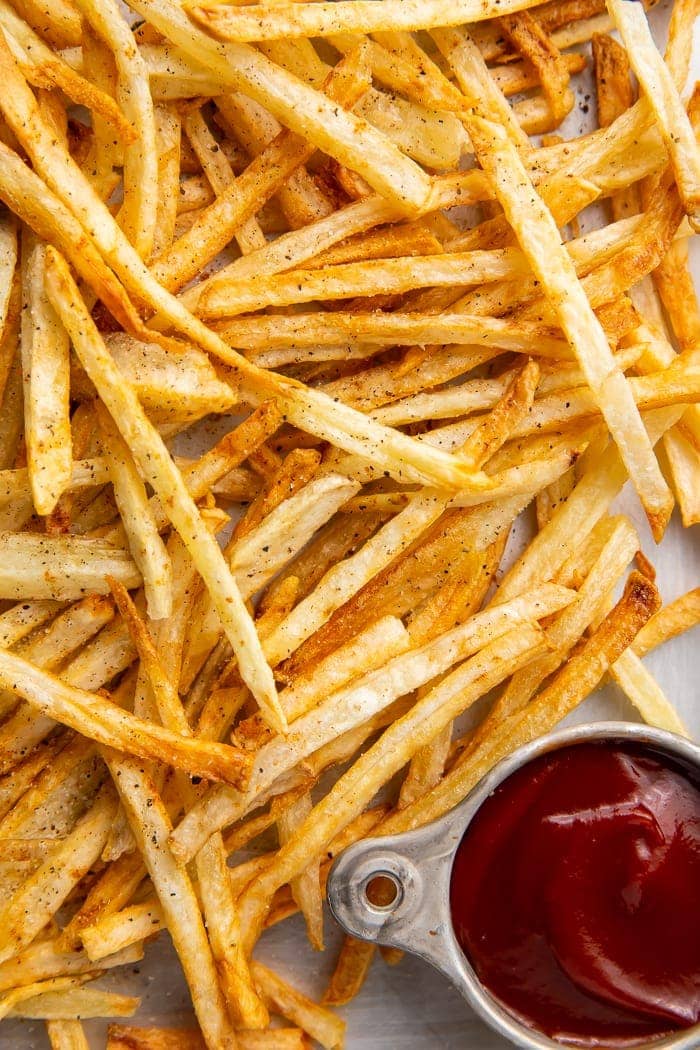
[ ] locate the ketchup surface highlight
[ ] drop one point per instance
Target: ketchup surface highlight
(575, 895)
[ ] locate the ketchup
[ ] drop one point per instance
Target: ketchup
(575, 895)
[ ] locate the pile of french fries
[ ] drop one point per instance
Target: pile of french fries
(342, 241)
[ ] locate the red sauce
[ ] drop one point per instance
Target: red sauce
(575, 895)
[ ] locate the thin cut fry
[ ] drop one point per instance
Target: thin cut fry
(662, 95)
(156, 464)
(147, 548)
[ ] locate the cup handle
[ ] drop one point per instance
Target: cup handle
(418, 918)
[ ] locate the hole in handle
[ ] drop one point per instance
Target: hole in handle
(383, 891)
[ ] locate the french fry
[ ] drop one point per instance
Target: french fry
(168, 138)
(153, 459)
(355, 704)
(275, 238)
(662, 95)
(306, 888)
(646, 694)
(147, 548)
(257, 23)
(671, 620)
(224, 298)
(524, 33)
(138, 212)
(72, 1004)
(104, 722)
(66, 1035)
(574, 312)
(60, 567)
(43, 960)
(45, 366)
(122, 1037)
(321, 1024)
(350, 972)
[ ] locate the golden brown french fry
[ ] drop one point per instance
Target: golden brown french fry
(662, 95)
(321, 1024)
(40, 897)
(66, 1035)
(324, 19)
(350, 971)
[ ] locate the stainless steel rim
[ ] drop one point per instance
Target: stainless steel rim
(420, 864)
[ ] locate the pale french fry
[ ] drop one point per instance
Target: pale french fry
(152, 456)
(147, 548)
(119, 929)
(71, 759)
(255, 558)
(645, 693)
(225, 298)
(432, 138)
(60, 567)
(171, 386)
(371, 648)
(671, 620)
(372, 331)
(45, 366)
(43, 960)
(476, 81)
(306, 888)
(58, 23)
(8, 264)
(20, 995)
(74, 1003)
(168, 137)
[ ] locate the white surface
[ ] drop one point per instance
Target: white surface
(410, 1007)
